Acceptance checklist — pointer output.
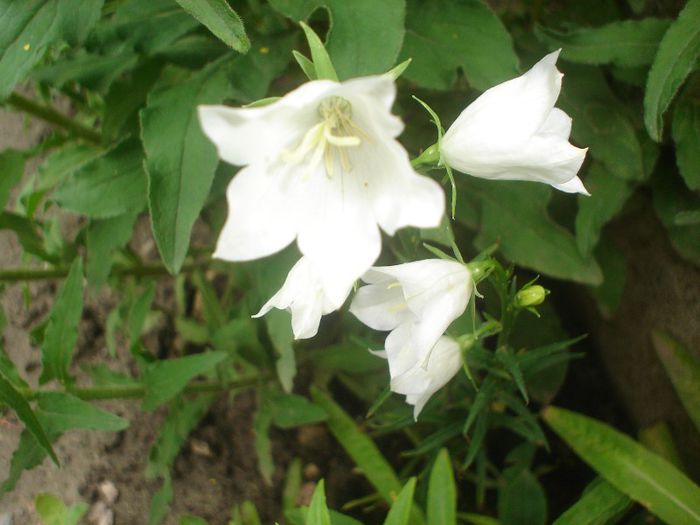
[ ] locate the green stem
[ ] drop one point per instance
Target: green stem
(52, 116)
(31, 274)
(137, 391)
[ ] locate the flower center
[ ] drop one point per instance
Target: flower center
(330, 138)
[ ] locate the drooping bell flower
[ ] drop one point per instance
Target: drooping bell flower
(514, 132)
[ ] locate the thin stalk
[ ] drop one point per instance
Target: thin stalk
(53, 117)
(33, 274)
(137, 391)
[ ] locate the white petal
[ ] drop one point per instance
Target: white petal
(261, 219)
(558, 123)
(399, 196)
(573, 186)
(400, 351)
(303, 296)
(421, 382)
(429, 280)
(246, 135)
(372, 98)
(506, 113)
(339, 233)
(381, 307)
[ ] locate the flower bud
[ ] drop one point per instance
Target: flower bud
(530, 296)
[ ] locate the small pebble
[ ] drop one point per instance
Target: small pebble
(108, 492)
(100, 514)
(200, 448)
(6, 518)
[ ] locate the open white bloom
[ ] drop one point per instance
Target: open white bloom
(322, 167)
(303, 296)
(420, 382)
(514, 132)
(417, 301)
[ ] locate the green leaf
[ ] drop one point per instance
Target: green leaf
(16, 401)
(280, 331)
(608, 195)
(111, 185)
(61, 411)
(103, 237)
(442, 492)
(64, 162)
(601, 122)
(675, 59)
(191, 520)
(686, 135)
(52, 511)
(671, 198)
(180, 160)
(683, 369)
(444, 35)
(291, 410)
(62, 329)
(292, 484)
(514, 215)
(521, 499)
(628, 43)
(263, 444)
(318, 510)
(305, 64)
(27, 235)
(221, 20)
(92, 71)
(359, 447)
(28, 454)
(365, 35)
(608, 294)
(400, 512)
(165, 379)
(31, 26)
(632, 469)
(182, 419)
(125, 97)
(160, 502)
(11, 168)
(323, 66)
(138, 311)
(600, 504)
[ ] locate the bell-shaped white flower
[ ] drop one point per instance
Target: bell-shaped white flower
(322, 166)
(514, 132)
(303, 296)
(417, 301)
(420, 382)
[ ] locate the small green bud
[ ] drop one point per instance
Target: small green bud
(530, 296)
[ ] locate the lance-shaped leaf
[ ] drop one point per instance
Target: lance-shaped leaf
(221, 20)
(442, 492)
(628, 466)
(180, 160)
(684, 371)
(62, 330)
(30, 26)
(675, 59)
(600, 504)
(15, 400)
(628, 43)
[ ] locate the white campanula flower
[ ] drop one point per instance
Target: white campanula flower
(322, 166)
(514, 132)
(420, 382)
(303, 296)
(417, 302)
